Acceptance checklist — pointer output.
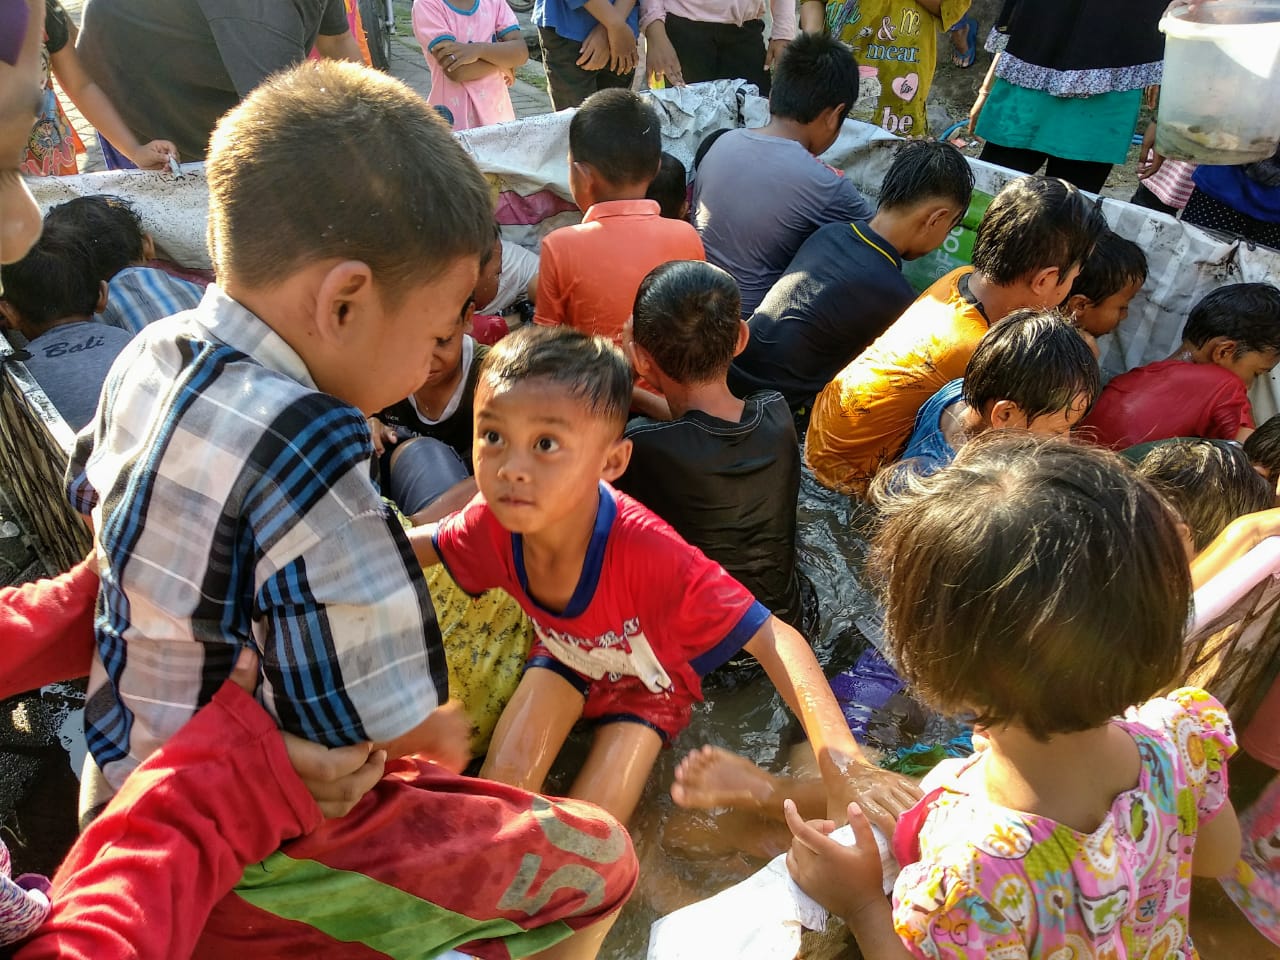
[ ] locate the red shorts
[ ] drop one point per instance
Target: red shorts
(426, 862)
(625, 700)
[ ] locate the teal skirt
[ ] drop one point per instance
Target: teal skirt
(1097, 129)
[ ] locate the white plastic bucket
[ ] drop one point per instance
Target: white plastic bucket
(1220, 97)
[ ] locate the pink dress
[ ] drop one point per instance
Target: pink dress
(475, 103)
(995, 883)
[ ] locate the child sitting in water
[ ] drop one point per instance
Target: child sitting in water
(628, 616)
(1109, 280)
(1232, 335)
(724, 472)
(1039, 586)
(1032, 371)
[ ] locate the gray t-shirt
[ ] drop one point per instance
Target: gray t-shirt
(174, 67)
(70, 362)
(757, 198)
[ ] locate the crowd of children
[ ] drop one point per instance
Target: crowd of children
(298, 474)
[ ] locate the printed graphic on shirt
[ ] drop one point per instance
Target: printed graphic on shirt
(618, 653)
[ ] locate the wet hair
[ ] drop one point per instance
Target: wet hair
(1033, 581)
(619, 134)
(1248, 313)
(109, 227)
(1032, 224)
(403, 197)
(670, 187)
(687, 316)
(1263, 447)
(591, 369)
(707, 143)
(814, 74)
(1115, 263)
(1037, 359)
(1208, 482)
(927, 170)
(53, 281)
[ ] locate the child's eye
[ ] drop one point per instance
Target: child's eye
(490, 436)
(547, 445)
(443, 342)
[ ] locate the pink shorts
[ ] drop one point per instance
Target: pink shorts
(625, 700)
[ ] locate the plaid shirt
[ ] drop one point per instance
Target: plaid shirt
(233, 505)
(137, 296)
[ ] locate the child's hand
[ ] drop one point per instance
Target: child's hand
(843, 879)
(594, 52)
(445, 737)
(452, 55)
(508, 75)
(154, 155)
(773, 52)
(382, 435)
(1148, 160)
(622, 49)
(882, 795)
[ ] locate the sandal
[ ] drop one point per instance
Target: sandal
(969, 25)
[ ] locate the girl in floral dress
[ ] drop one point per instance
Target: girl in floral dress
(1042, 588)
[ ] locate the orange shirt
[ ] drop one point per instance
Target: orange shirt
(590, 272)
(862, 419)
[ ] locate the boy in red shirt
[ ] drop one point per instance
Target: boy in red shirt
(590, 271)
(1231, 336)
(628, 617)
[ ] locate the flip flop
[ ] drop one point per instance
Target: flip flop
(966, 60)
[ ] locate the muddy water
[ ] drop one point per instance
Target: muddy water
(749, 718)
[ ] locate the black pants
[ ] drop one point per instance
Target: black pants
(1204, 211)
(720, 51)
(1086, 174)
(1143, 197)
(567, 83)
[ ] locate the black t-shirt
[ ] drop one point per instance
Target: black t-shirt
(174, 67)
(457, 430)
(842, 290)
(729, 489)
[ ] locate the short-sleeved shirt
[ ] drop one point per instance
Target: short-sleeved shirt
(647, 605)
(928, 450)
(843, 289)
(70, 362)
(729, 489)
(473, 103)
(862, 419)
(570, 18)
(757, 198)
(590, 271)
(994, 882)
(234, 506)
(1169, 398)
(455, 426)
(172, 68)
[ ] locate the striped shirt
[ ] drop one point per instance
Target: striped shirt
(233, 505)
(137, 296)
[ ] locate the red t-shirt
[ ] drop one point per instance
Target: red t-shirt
(647, 604)
(1169, 398)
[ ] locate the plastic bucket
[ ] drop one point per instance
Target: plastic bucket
(1220, 97)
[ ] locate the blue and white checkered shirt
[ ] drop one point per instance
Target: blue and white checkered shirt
(137, 296)
(233, 505)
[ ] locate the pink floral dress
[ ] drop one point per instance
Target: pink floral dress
(475, 103)
(999, 884)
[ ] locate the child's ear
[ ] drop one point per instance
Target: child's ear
(101, 305)
(1222, 351)
(744, 337)
(616, 461)
(642, 362)
(148, 247)
(1045, 285)
(1005, 413)
(344, 298)
(1076, 304)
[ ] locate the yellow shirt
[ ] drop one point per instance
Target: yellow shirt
(863, 418)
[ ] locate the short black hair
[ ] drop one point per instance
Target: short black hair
(687, 316)
(1115, 263)
(1032, 224)
(1034, 581)
(590, 368)
(1248, 313)
(1037, 359)
(53, 281)
(927, 170)
(108, 225)
(1208, 482)
(814, 74)
(1263, 446)
(670, 187)
(619, 133)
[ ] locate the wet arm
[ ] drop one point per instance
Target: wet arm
(423, 548)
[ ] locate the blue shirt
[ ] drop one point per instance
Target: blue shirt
(1232, 186)
(570, 19)
(928, 449)
(137, 296)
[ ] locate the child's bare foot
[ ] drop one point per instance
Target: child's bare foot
(710, 777)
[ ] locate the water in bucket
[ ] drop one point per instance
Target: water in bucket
(1220, 98)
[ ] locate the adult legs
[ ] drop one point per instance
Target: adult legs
(719, 51)
(1088, 175)
(695, 44)
(567, 83)
(740, 51)
(1144, 197)
(1015, 158)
